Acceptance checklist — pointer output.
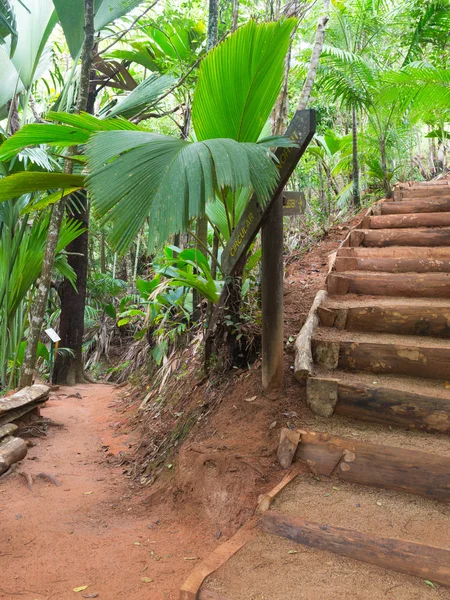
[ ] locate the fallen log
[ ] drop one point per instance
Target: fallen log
(376, 465)
(6, 430)
(27, 395)
(11, 451)
(18, 413)
(419, 560)
(304, 363)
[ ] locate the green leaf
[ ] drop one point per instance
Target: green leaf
(39, 133)
(71, 17)
(239, 82)
(145, 95)
(110, 10)
(139, 54)
(28, 181)
(8, 25)
(137, 174)
(111, 311)
(31, 57)
(45, 201)
(90, 123)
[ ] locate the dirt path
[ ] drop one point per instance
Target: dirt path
(92, 530)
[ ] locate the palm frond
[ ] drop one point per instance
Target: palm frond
(8, 25)
(239, 82)
(145, 95)
(135, 175)
(29, 181)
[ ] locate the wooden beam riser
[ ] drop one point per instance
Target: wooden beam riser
(436, 219)
(376, 465)
(382, 238)
(402, 320)
(427, 193)
(397, 359)
(426, 562)
(386, 406)
(416, 206)
(393, 265)
(421, 252)
(426, 285)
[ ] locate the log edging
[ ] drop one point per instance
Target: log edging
(303, 365)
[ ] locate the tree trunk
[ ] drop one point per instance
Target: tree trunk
(69, 369)
(213, 23)
(41, 298)
(355, 161)
(102, 254)
(235, 16)
(315, 57)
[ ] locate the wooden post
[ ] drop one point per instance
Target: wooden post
(272, 298)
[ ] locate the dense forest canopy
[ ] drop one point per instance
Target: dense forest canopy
(133, 134)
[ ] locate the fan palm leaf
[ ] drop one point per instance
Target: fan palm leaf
(239, 82)
(135, 175)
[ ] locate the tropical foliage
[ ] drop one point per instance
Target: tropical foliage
(178, 136)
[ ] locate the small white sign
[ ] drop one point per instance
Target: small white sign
(53, 335)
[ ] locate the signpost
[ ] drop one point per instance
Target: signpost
(54, 341)
(294, 204)
(270, 219)
(301, 130)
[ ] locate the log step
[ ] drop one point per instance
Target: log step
(429, 219)
(415, 206)
(430, 193)
(388, 467)
(400, 237)
(434, 252)
(394, 259)
(381, 402)
(392, 265)
(415, 356)
(402, 319)
(433, 285)
(426, 562)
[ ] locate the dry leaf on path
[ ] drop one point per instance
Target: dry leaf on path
(80, 588)
(147, 579)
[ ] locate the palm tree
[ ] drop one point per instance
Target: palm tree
(134, 175)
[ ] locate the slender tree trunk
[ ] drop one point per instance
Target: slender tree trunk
(213, 24)
(315, 56)
(69, 369)
(41, 299)
(235, 16)
(102, 254)
(355, 161)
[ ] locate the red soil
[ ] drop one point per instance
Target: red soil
(98, 529)
(93, 529)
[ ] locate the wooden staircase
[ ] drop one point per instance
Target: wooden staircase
(375, 348)
(382, 348)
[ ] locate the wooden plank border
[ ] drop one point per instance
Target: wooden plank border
(190, 590)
